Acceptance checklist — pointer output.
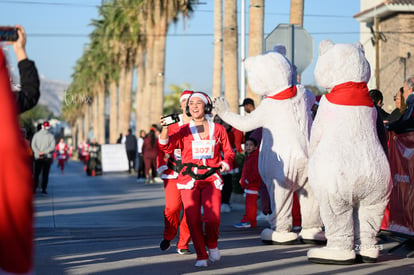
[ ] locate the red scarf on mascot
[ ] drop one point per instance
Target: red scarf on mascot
(16, 187)
(285, 94)
(350, 94)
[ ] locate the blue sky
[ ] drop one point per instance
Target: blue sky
(58, 31)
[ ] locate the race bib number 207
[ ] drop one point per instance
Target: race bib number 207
(203, 149)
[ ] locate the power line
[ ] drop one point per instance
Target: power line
(49, 3)
(199, 34)
(206, 11)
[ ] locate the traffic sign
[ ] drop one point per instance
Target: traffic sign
(298, 43)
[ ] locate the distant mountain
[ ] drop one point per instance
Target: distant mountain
(52, 94)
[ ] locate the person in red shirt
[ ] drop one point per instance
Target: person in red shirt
(235, 138)
(250, 181)
(149, 152)
(16, 183)
(201, 141)
(169, 165)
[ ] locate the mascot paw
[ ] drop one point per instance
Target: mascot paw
(269, 236)
(369, 255)
(220, 105)
(326, 255)
(313, 236)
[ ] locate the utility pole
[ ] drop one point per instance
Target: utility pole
(242, 93)
(377, 38)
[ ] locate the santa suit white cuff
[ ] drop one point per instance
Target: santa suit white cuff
(225, 165)
(163, 141)
(161, 169)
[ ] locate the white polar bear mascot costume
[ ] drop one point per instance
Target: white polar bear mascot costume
(348, 169)
(286, 119)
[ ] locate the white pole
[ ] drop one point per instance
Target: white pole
(242, 94)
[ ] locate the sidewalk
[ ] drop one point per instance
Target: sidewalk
(113, 225)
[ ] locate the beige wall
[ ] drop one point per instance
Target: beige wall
(398, 31)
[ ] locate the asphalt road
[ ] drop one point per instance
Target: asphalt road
(111, 224)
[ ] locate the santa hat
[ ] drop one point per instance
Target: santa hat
(201, 96)
(46, 125)
(185, 95)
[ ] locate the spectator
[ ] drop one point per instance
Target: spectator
(120, 138)
(227, 176)
(399, 106)
(248, 105)
(256, 134)
(250, 181)
(141, 165)
(43, 146)
(377, 98)
(382, 116)
(406, 122)
(16, 205)
(28, 94)
(131, 146)
(149, 151)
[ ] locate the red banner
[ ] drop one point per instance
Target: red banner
(401, 206)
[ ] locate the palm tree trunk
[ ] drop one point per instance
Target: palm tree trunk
(159, 61)
(127, 98)
(149, 73)
(79, 133)
(86, 122)
(256, 35)
(296, 12)
(95, 114)
(140, 64)
(101, 115)
(113, 111)
(121, 102)
(230, 55)
(296, 17)
(218, 48)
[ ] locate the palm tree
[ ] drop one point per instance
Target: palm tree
(230, 54)
(130, 33)
(296, 16)
(110, 48)
(256, 34)
(218, 48)
(172, 100)
(296, 12)
(156, 16)
(168, 12)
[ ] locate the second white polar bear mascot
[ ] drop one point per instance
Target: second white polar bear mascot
(286, 119)
(348, 169)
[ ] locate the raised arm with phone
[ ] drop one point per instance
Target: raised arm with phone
(28, 94)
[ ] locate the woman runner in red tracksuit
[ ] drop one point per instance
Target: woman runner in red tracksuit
(169, 168)
(202, 142)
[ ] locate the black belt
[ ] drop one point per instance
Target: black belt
(175, 165)
(189, 171)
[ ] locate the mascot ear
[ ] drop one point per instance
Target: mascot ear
(280, 49)
(324, 46)
(360, 47)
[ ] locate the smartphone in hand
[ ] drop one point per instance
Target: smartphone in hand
(170, 119)
(8, 33)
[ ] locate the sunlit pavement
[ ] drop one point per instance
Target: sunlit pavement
(112, 224)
